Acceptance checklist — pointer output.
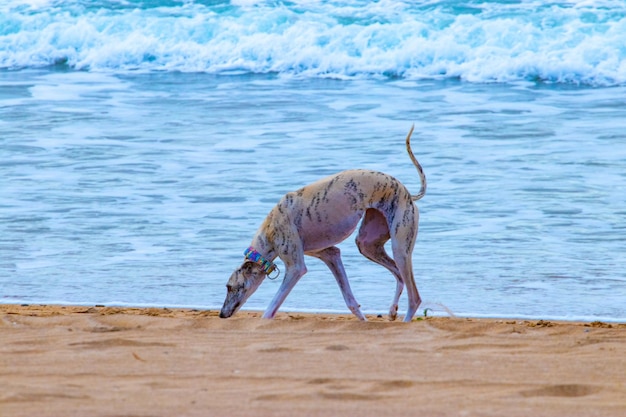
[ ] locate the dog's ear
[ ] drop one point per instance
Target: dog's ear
(248, 269)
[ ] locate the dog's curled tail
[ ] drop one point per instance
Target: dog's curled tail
(420, 171)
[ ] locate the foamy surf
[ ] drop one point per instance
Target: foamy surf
(574, 43)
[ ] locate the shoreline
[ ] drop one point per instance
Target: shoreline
(48, 310)
(113, 361)
(432, 313)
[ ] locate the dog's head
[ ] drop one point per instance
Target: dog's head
(241, 285)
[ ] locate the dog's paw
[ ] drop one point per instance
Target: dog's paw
(393, 312)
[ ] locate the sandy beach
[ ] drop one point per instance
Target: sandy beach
(110, 361)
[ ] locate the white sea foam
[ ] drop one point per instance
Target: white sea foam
(483, 42)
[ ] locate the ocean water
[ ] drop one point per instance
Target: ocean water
(143, 142)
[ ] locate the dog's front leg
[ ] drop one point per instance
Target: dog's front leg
(332, 258)
(293, 274)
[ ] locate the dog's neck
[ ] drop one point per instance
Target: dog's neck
(261, 244)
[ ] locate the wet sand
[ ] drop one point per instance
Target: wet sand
(110, 361)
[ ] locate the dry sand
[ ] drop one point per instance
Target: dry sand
(107, 361)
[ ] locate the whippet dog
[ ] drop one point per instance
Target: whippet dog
(313, 219)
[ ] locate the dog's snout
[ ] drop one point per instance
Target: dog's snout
(227, 312)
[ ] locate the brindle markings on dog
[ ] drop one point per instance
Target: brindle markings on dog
(311, 220)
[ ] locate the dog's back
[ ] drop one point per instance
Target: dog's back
(328, 210)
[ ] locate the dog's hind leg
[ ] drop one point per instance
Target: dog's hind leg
(332, 258)
(402, 246)
(405, 265)
(373, 235)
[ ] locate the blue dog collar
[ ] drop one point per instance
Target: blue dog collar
(268, 266)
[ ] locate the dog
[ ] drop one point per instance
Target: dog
(313, 219)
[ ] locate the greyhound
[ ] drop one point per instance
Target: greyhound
(313, 219)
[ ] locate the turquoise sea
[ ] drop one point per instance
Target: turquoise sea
(143, 142)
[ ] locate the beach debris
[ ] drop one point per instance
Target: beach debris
(599, 324)
(540, 323)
